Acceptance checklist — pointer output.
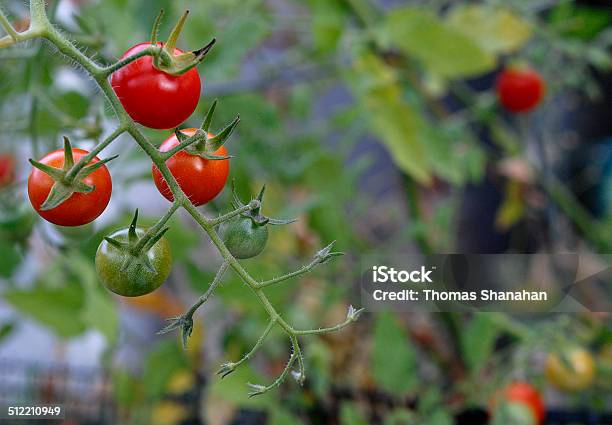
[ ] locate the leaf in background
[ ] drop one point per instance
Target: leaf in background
(55, 308)
(393, 358)
(328, 20)
(495, 29)
(162, 362)
(392, 120)
(234, 388)
(6, 329)
(10, 258)
(350, 414)
(280, 416)
(478, 340)
(512, 208)
(441, 49)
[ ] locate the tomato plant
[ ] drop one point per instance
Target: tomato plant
(7, 169)
(131, 262)
(200, 178)
(153, 97)
(578, 374)
(72, 208)
(520, 89)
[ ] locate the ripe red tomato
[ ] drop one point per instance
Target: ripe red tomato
(7, 170)
(520, 90)
(80, 208)
(201, 179)
(523, 392)
(152, 97)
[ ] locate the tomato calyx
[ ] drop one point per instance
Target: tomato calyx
(202, 143)
(136, 247)
(255, 214)
(64, 185)
(166, 59)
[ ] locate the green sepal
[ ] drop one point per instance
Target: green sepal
(155, 30)
(255, 214)
(209, 116)
(214, 143)
(166, 60)
(132, 236)
(63, 188)
(61, 192)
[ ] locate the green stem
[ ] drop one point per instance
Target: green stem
(144, 242)
(305, 269)
(92, 154)
(225, 217)
(149, 51)
(216, 281)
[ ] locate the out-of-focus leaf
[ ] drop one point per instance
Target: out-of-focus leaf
(442, 49)
(328, 18)
(512, 208)
(439, 417)
(495, 29)
(6, 329)
(10, 258)
(391, 119)
(234, 388)
(55, 308)
(393, 357)
(125, 388)
(351, 415)
(163, 361)
(280, 416)
(581, 21)
(478, 340)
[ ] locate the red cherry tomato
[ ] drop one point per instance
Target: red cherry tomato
(7, 170)
(526, 394)
(152, 97)
(520, 90)
(80, 208)
(201, 179)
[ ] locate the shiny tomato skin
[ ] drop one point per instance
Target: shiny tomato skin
(135, 280)
(7, 170)
(200, 179)
(152, 97)
(520, 90)
(80, 208)
(523, 392)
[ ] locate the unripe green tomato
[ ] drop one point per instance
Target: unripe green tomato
(136, 280)
(16, 222)
(243, 237)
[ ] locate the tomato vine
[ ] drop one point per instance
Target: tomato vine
(41, 27)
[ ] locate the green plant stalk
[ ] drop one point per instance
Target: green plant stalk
(41, 27)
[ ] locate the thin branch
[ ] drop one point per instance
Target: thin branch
(95, 151)
(149, 51)
(225, 217)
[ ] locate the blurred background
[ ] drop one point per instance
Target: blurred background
(376, 124)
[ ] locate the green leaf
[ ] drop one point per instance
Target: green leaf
(280, 416)
(478, 340)
(328, 23)
(495, 29)
(351, 415)
(393, 358)
(442, 49)
(165, 359)
(391, 119)
(55, 308)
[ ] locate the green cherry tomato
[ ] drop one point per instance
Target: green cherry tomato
(243, 237)
(136, 279)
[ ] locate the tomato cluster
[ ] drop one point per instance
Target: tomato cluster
(132, 261)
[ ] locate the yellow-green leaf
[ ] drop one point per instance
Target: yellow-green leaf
(495, 29)
(391, 119)
(440, 47)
